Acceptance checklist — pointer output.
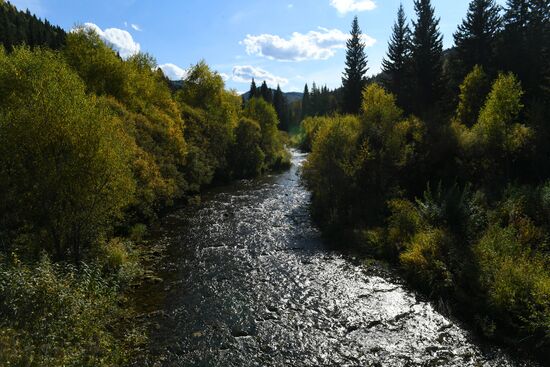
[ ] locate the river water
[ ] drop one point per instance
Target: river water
(248, 281)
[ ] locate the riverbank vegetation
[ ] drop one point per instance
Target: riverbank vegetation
(444, 170)
(92, 147)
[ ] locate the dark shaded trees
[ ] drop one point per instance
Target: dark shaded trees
(426, 59)
(475, 37)
(265, 93)
(281, 107)
(18, 27)
(353, 80)
(253, 90)
(306, 104)
(396, 64)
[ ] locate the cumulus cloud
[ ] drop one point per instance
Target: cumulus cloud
(346, 6)
(173, 72)
(136, 27)
(245, 73)
(224, 76)
(119, 39)
(314, 45)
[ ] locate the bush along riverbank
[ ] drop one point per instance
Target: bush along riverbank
(91, 147)
(451, 203)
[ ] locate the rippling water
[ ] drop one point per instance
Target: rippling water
(249, 282)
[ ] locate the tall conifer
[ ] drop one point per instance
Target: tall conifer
(427, 58)
(396, 63)
(354, 80)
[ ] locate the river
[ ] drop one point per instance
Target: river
(249, 281)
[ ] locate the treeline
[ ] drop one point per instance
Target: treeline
(451, 184)
(92, 146)
(17, 27)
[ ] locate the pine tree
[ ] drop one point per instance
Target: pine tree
(253, 90)
(306, 103)
(426, 58)
(475, 37)
(397, 61)
(265, 93)
(354, 80)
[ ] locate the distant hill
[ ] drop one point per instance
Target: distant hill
(290, 96)
(21, 27)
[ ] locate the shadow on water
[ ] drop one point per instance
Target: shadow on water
(247, 280)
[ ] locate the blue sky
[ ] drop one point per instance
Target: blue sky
(289, 42)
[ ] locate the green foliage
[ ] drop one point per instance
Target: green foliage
(140, 98)
(496, 141)
(516, 280)
(331, 167)
(423, 260)
(55, 315)
(309, 129)
(270, 142)
(248, 157)
(52, 135)
(473, 92)
(211, 114)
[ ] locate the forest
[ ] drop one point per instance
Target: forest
(439, 165)
(442, 166)
(92, 148)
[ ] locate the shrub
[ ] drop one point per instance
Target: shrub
(57, 316)
(424, 262)
(516, 281)
(403, 224)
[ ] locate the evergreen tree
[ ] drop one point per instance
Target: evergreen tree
(18, 27)
(475, 37)
(396, 63)
(427, 58)
(281, 107)
(306, 103)
(354, 80)
(524, 47)
(253, 90)
(265, 93)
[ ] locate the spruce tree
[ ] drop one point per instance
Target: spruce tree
(354, 80)
(396, 63)
(475, 37)
(265, 93)
(306, 103)
(426, 58)
(524, 47)
(253, 90)
(281, 107)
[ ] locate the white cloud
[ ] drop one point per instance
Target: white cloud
(346, 6)
(136, 27)
(245, 73)
(314, 45)
(173, 72)
(224, 76)
(121, 40)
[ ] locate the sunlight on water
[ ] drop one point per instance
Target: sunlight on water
(252, 284)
